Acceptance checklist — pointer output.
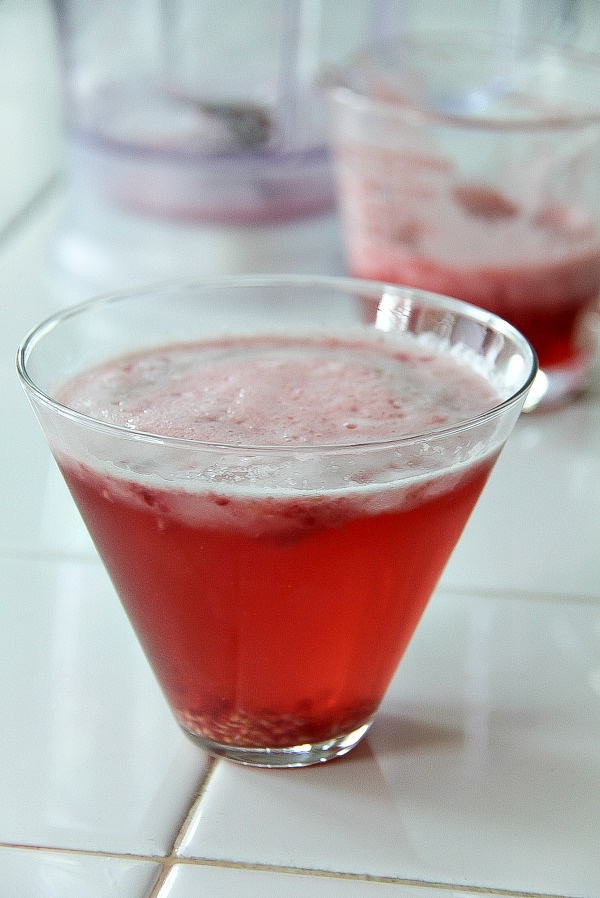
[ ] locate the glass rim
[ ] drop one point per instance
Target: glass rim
(350, 285)
(335, 84)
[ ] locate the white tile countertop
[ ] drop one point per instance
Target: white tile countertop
(481, 773)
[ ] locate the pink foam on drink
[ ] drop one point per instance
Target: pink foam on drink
(279, 391)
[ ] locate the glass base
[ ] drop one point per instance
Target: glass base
(292, 756)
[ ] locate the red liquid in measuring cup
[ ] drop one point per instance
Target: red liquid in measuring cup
(274, 603)
(407, 222)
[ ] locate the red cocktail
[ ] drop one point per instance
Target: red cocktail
(275, 508)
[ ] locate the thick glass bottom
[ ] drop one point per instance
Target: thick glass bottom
(292, 756)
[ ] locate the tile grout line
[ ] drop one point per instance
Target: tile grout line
(21, 553)
(26, 214)
(473, 890)
(82, 852)
(512, 594)
(168, 862)
(213, 763)
(160, 881)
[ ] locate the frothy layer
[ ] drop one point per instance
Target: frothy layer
(283, 392)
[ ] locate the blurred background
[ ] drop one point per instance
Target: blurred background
(186, 137)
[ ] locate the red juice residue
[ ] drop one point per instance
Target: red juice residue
(409, 223)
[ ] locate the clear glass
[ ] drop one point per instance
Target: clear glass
(195, 110)
(193, 129)
(469, 164)
(274, 588)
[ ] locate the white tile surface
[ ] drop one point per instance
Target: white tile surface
(198, 881)
(482, 767)
(537, 525)
(42, 516)
(46, 874)
(90, 757)
(482, 771)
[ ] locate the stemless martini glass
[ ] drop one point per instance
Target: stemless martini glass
(274, 478)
